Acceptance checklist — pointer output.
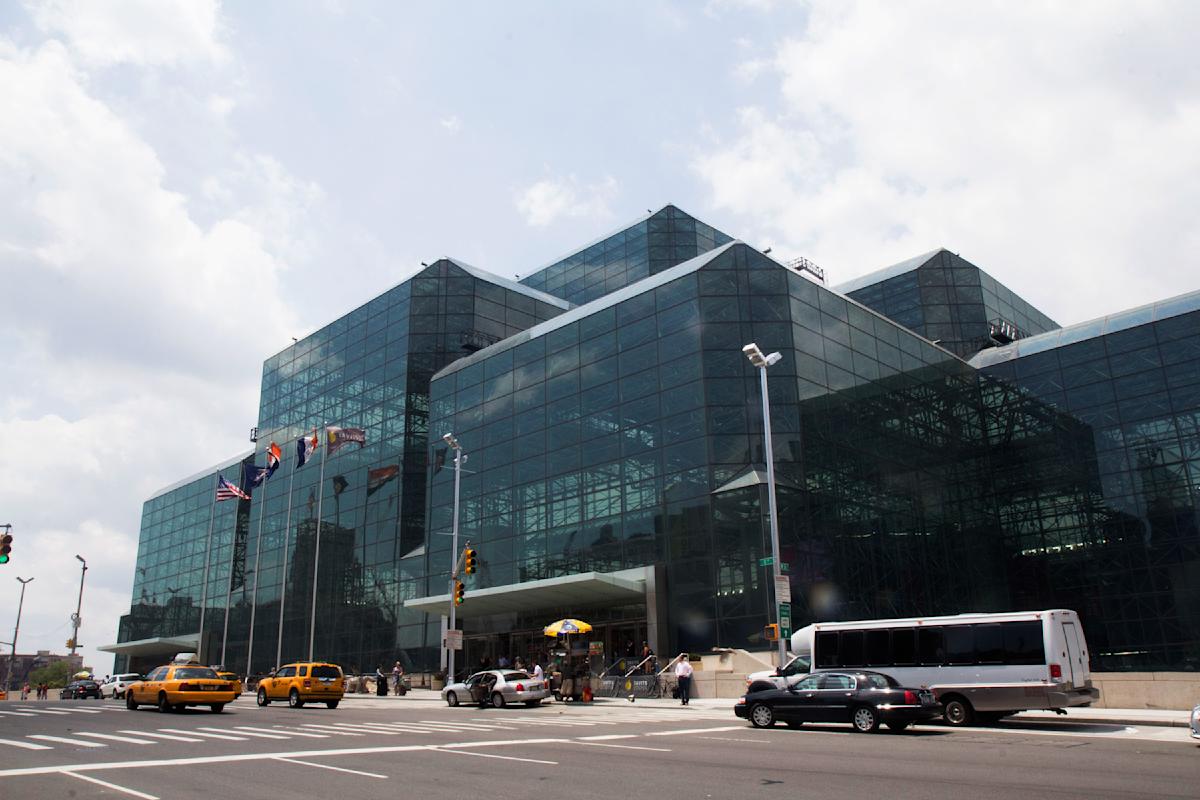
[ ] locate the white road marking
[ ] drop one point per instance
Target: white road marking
(82, 710)
(688, 731)
(114, 786)
(492, 755)
(622, 746)
(471, 726)
(245, 733)
(46, 711)
(332, 729)
(608, 737)
(731, 739)
(205, 735)
(168, 736)
(329, 766)
(26, 745)
(112, 737)
(65, 740)
(277, 730)
(18, 713)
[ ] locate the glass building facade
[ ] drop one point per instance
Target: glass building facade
(949, 300)
(615, 467)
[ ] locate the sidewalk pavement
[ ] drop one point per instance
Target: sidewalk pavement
(1173, 718)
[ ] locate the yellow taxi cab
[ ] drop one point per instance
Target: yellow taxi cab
(303, 682)
(180, 684)
(233, 678)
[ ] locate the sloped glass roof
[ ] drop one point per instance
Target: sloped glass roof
(1122, 320)
(881, 275)
(508, 283)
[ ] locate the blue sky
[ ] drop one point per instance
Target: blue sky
(186, 184)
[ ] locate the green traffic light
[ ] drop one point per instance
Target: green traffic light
(4, 559)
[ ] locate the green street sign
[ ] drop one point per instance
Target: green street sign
(783, 566)
(785, 613)
(785, 632)
(766, 562)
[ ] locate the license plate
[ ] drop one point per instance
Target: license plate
(533, 686)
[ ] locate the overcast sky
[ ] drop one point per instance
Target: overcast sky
(184, 186)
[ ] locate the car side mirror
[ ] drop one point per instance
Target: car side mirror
(778, 671)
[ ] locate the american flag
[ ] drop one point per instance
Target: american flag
(227, 491)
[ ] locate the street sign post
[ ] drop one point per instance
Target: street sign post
(454, 639)
(783, 588)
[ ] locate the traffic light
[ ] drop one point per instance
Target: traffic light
(460, 592)
(469, 563)
(771, 632)
(70, 642)
(5, 546)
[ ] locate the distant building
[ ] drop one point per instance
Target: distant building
(23, 664)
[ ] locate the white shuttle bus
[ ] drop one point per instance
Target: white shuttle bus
(981, 666)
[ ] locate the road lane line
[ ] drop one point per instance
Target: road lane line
(622, 746)
(279, 730)
(731, 739)
(330, 766)
(65, 740)
(204, 735)
(244, 733)
(114, 786)
(491, 755)
(687, 731)
(129, 739)
(167, 736)
(26, 745)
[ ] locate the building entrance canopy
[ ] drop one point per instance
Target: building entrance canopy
(166, 645)
(568, 591)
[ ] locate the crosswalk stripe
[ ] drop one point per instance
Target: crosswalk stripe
(545, 721)
(65, 740)
(82, 710)
(279, 730)
(333, 730)
(365, 728)
(26, 745)
(471, 726)
(115, 738)
(18, 713)
(46, 711)
(245, 733)
(168, 736)
(205, 735)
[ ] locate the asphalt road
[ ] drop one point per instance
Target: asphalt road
(368, 749)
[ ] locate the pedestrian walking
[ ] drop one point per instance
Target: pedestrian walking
(683, 677)
(380, 682)
(397, 677)
(25, 690)
(538, 674)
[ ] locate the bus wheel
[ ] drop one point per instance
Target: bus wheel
(959, 712)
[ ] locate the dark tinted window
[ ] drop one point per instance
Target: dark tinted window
(1023, 643)
(326, 672)
(837, 682)
(904, 646)
(850, 649)
(989, 644)
(827, 649)
(874, 682)
(302, 672)
(959, 644)
(930, 649)
(516, 676)
(879, 650)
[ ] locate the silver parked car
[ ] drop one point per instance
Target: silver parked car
(1195, 720)
(499, 687)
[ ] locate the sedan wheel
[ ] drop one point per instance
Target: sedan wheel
(452, 699)
(164, 705)
(217, 708)
(294, 699)
(865, 720)
(129, 702)
(497, 700)
(762, 716)
(263, 700)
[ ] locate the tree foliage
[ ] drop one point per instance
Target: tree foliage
(56, 675)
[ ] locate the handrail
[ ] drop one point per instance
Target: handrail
(639, 665)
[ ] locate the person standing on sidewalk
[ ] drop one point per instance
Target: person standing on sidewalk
(683, 677)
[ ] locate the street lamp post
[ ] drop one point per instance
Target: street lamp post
(458, 458)
(12, 657)
(78, 606)
(761, 361)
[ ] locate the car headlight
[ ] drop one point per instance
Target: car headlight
(741, 701)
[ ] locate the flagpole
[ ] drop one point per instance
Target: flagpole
(257, 558)
(212, 514)
(312, 625)
(287, 536)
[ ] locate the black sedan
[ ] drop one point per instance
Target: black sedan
(80, 690)
(864, 699)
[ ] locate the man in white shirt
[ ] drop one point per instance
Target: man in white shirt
(683, 677)
(538, 673)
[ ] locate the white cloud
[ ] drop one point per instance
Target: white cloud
(1042, 144)
(140, 32)
(552, 198)
(451, 123)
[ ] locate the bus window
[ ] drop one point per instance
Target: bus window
(959, 644)
(1023, 643)
(827, 649)
(850, 649)
(879, 649)
(930, 647)
(989, 644)
(904, 647)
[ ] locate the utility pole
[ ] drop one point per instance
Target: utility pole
(458, 458)
(12, 657)
(75, 620)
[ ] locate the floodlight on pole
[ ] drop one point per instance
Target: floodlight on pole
(761, 362)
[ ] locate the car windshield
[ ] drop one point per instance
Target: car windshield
(326, 672)
(516, 676)
(194, 672)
